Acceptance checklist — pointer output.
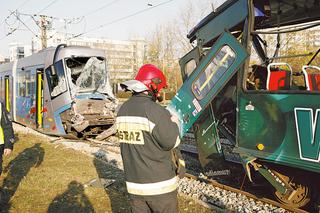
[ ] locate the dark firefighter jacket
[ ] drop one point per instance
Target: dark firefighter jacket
(147, 136)
(6, 131)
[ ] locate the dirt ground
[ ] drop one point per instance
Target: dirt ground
(41, 176)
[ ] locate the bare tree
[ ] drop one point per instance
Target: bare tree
(161, 52)
(189, 16)
(169, 42)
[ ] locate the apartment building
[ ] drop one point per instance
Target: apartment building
(124, 57)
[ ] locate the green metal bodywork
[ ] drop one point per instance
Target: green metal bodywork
(271, 121)
(213, 25)
(207, 133)
(285, 123)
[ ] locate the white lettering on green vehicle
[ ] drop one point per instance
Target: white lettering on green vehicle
(308, 133)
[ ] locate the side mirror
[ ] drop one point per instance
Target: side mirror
(53, 70)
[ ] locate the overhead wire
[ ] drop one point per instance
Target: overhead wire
(100, 8)
(82, 18)
(121, 19)
(5, 21)
(46, 7)
(49, 5)
(21, 5)
(31, 17)
(85, 15)
(17, 16)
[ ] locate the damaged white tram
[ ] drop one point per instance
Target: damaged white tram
(60, 91)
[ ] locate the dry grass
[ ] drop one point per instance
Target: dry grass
(44, 177)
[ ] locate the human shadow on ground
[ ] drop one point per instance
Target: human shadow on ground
(17, 169)
(116, 192)
(72, 200)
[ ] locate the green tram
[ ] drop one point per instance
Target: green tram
(238, 86)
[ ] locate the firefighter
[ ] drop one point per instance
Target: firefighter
(6, 134)
(148, 134)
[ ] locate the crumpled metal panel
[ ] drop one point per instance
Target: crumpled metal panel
(88, 112)
(94, 107)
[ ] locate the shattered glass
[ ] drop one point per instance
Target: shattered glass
(58, 81)
(89, 75)
(61, 87)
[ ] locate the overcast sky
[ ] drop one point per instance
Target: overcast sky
(119, 19)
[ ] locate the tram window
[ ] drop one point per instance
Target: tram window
(1, 89)
(223, 59)
(22, 84)
(30, 83)
(57, 82)
(190, 66)
(257, 79)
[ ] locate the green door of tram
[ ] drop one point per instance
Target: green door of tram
(194, 98)
(211, 74)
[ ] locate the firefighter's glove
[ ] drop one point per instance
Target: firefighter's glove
(179, 163)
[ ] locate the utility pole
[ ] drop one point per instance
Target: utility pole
(44, 23)
(43, 27)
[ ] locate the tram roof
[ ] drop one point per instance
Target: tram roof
(268, 14)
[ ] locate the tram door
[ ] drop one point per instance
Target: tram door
(211, 74)
(7, 93)
(39, 98)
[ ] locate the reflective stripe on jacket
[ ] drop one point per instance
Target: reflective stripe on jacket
(157, 188)
(147, 136)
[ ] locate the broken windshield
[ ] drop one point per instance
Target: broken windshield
(88, 74)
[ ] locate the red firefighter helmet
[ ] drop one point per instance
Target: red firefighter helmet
(152, 77)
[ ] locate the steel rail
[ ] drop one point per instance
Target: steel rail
(235, 190)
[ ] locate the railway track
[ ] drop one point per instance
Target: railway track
(191, 149)
(247, 194)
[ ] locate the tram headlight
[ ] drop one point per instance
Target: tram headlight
(260, 146)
